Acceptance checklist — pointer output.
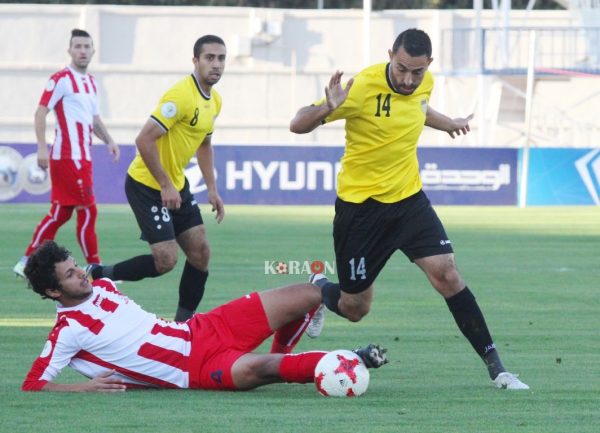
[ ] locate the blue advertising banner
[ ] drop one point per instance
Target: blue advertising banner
(281, 175)
(563, 177)
(469, 176)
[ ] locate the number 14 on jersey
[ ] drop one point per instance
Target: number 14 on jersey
(358, 269)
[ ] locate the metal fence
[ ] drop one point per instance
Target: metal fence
(504, 51)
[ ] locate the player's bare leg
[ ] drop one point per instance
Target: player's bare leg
(444, 276)
(287, 304)
(355, 306)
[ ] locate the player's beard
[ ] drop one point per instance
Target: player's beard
(82, 63)
(406, 90)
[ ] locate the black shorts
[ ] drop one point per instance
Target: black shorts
(158, 223)
(365, 235)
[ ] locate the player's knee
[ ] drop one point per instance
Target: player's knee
(448, 282)
(355, 313)
(313, 294)
(200, 256)
(165, 262)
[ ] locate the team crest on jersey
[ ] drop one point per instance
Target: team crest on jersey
(168, 110)
(424, 106)
(50, 85)
(217, 376)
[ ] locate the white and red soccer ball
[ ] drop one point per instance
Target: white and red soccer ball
(341, 373)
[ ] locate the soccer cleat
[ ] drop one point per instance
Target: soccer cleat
(508, 380)
(315, 326)
(19, 268)
(374, 356)
(93, 271)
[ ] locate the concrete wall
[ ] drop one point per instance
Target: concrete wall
(278, 60)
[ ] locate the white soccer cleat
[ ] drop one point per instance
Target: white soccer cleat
(315, 326)
(508, 380)
(19, 268)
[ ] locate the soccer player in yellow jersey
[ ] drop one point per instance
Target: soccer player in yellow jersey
(158, 192)
(381, 206)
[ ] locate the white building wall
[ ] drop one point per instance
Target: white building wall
(278, 60)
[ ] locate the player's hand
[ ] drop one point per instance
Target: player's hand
(170, 197)
(217, 205)
(105, 383)
(42, 157)
(114, 150)
(335, 93)
(460, 126)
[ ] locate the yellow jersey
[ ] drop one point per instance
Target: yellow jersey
(187, 116)
(382, 131)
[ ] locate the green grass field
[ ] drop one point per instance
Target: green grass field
(535, 272)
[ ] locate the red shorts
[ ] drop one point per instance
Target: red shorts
(221, 336)
(72, 183)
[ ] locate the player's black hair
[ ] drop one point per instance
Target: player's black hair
(40, 269)
(206, 39)
(75, 33)
(414, 41)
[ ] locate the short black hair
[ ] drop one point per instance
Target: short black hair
(206, 39)
(41, 267)
(78, 33)
(414, 41)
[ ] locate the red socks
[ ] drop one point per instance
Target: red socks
(86, 233)
(286, 338)
(47, 228)
(300, 367)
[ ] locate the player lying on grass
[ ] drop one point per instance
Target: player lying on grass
(108, 338)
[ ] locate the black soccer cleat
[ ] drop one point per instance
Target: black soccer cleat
(93, 271)
(374, 356)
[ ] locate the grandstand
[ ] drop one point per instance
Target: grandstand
(530, 76)
(281, 58)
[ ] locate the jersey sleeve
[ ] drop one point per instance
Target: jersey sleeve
(349, 108)
(217, 108)
(54, 91)
(96, 107)
(171, 108)
(57, 353)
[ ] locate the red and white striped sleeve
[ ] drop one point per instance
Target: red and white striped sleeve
(58, 351)
(55, 90)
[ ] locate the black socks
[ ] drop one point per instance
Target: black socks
(331, 294)
(191, 290)
(471, 322)
(133, 269)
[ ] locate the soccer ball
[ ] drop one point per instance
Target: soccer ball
(341, 373)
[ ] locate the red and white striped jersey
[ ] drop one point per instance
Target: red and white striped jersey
(73, 97)
(109, 331)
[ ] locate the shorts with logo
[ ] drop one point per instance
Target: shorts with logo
(156, 222)
(365, 235)
(221, 336)
(72, 182)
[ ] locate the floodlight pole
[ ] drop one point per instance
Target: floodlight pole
(481, 126)
(528, 107)
(366, 33)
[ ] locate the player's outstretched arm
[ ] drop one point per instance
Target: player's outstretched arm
(454, 127)
(309, 118)
(101, 383)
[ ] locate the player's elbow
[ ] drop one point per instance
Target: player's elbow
(298, 128)
(295, 128)
(33, 385)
